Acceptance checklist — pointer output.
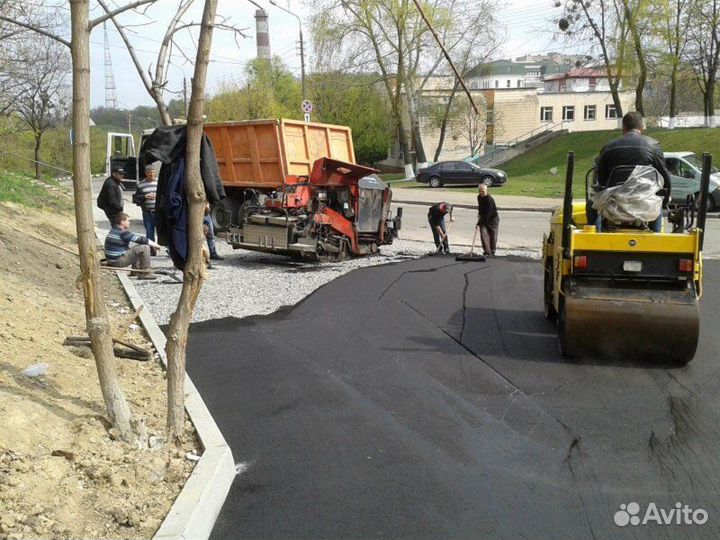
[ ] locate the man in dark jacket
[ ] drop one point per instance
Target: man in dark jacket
(632, 149)
(488, 220)
(436, 219)
(167, 145)
(110, 199)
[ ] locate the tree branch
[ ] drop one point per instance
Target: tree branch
(110, 14)
(38, 29)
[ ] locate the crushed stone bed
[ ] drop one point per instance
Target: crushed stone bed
(249, 283)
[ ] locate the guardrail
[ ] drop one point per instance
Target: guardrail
(41, 163)
(545, 128)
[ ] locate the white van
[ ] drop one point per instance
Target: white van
(685, 169)
(121, 153)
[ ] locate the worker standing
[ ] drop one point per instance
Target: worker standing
(633, 148)
(488, 220)
(110, 199)
(209, 230)
(144, 197)
(436, 219)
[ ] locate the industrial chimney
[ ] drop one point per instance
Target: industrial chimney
(263, 34)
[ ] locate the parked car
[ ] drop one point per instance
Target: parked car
(459, 172)
(685, 169)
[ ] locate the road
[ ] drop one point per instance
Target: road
(427, 400)
(518, 230)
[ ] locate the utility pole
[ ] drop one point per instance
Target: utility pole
(447, 56)
(302, 64)
(302, 45)
(185, 96)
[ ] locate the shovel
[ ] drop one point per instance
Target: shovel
(472, 256)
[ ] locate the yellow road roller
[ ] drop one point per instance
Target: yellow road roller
(625, 293)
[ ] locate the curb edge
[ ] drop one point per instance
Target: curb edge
(194, 511)
(474, 206)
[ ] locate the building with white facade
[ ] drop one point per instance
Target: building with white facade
(520, 100)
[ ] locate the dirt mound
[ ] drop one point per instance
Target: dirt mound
(62, 473)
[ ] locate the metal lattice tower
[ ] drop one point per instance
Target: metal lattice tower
(110, 95)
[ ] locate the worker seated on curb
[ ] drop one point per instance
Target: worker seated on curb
(436, 219)
(118, 252)
(619, 159)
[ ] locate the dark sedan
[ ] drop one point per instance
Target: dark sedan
(459, 172)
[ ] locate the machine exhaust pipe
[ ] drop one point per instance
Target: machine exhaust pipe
(704, 189)
(567, 205)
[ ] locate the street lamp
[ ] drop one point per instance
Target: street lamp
(302, 47)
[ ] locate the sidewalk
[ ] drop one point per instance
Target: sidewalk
(469, 200)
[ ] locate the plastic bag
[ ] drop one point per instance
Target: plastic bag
(36, 370)
(634, 200)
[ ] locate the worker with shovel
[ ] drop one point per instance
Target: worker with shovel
(436, 219)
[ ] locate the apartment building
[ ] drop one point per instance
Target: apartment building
(574, 99)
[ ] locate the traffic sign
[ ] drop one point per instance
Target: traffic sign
(307, 106)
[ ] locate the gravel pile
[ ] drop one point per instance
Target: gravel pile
(249, 283)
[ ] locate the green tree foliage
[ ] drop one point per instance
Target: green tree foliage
(269, 90)
(355, 101)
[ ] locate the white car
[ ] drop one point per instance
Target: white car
(685, 170)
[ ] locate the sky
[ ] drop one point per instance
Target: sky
(526, 23)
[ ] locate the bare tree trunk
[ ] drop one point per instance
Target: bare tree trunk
(411, 97)
(673, 95)
(195, 271)
(710, 102)
(38, 137)
(639, 53)
(96, 314)
(443, 125)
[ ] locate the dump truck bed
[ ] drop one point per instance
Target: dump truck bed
(262, 153)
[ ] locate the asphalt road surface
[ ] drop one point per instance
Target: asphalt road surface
(427, 400)
(518, 230)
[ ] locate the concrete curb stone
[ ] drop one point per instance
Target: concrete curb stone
(193, 514)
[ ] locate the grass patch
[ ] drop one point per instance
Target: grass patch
(531, 174)
(25, 190)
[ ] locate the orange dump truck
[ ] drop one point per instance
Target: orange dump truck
(293, 188)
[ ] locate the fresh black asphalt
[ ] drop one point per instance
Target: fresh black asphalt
(427, 400)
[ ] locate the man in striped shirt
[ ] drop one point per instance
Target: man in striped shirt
(118, 252)
(144, 197)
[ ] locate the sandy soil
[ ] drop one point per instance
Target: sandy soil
(63, 474)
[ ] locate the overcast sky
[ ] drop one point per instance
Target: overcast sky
(526, 23)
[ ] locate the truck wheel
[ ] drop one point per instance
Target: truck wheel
(550, 312)
(222, 214)
(242, 211)
(435, 182)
